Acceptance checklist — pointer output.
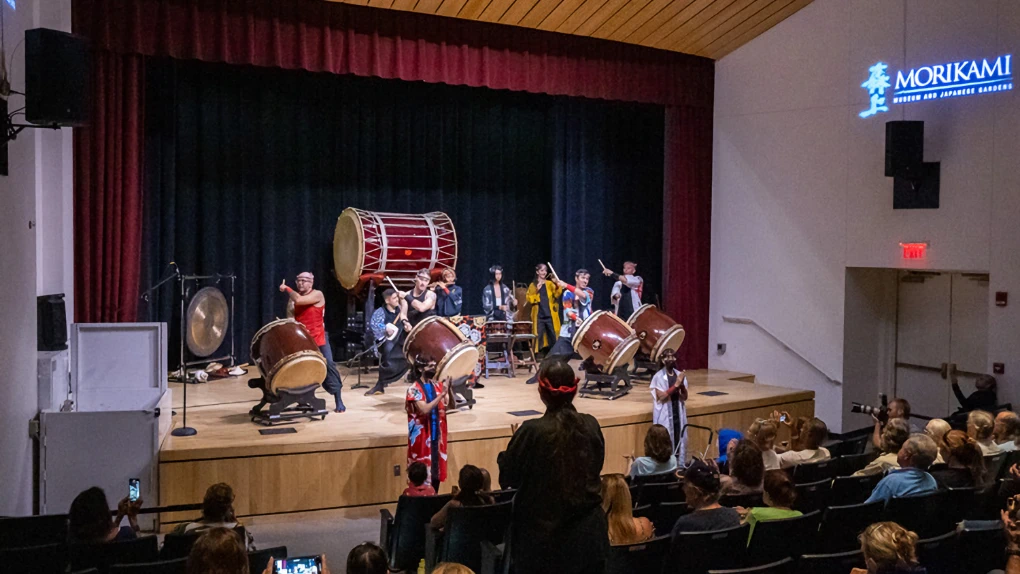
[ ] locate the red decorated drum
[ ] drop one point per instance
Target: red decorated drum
(395, 245)
(521, 328)
(656, 330)
(455, 355)
(287, 356)
(605, 338)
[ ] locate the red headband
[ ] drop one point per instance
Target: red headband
(544, 383)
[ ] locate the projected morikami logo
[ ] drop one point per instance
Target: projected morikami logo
(955, 79)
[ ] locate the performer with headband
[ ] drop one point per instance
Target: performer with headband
(419, 303)
(497, 298)
(425, 404)
(669, 395)
(577, 299)
(626, 296)
(308, 306)
(449, 297)
(386, 324)
(554, 461)
(544, 297)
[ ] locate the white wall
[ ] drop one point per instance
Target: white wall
(800, 193)
(35, 255)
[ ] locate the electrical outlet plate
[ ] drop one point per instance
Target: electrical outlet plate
(396, 470)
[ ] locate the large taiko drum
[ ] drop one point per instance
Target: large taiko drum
(287, 356)
(455, 355)
(605, 338)
(396, 245)
(656, 330)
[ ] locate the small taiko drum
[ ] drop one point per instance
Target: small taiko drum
(287, 356)
(521, 328)
(605, 338)
(656, 330)
(497, 328)
(395, 245)
(455, 355)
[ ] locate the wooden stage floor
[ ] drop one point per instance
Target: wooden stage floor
(357, 458)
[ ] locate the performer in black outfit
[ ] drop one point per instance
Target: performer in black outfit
(558, 525)
(386, 327)
(419, 303)
(497, 298)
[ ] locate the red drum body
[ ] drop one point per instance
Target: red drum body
(396, 245)
(455, 355)
(287, 356)
(605, 338)
(497, 328)
(522, 328)
(656, 330)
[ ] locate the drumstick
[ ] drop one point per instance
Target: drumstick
(602, 264)
(551, 268)
(392, 285)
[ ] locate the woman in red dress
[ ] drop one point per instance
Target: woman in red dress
(426, 420)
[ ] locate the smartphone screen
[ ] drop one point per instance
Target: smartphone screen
(782, 418)
(302, 565)
(134, 489)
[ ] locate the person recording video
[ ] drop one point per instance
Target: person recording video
(898, 409)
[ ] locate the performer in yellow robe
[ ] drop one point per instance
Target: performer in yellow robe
(544, 297)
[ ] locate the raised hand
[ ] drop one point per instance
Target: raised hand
(283, 286)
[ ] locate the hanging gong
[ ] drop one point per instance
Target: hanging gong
(206, 321)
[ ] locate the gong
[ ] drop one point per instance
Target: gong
(206, 321)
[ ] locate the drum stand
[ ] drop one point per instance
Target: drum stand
(287, 404)
(643, 362)
(609, 386)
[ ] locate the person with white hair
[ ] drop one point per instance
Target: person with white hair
(912, 478)
(626, 294)
(308, 306)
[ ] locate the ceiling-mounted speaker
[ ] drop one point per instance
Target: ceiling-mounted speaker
(57, 80)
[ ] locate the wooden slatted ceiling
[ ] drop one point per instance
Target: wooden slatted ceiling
(710, 28)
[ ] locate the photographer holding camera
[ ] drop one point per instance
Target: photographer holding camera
(898, 409)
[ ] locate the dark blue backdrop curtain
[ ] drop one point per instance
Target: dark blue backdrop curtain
(247, 169)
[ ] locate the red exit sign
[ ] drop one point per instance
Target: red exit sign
(914, 250)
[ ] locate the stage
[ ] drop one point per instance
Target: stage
(357, 458)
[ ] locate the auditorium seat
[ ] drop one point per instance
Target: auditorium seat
(466, 528)
(101, 556)
(655, 478)
(851, 463)
(663, 515)
(939, 554)
(925, 514)
(774, 540)
(696, 552)
(852, 489)
(403, 535)
(815, 471)
(784, 566)
(982, 544)
(258, 559)
(840, 563)
(960, 502)
(842, 524)
(176, 566)
(995, 465)
(505, 495)
(1012, 457)
(644, 557)
(33, 530)
(656, 493)
(813, 495)
(177, 545)
(745, 500)
(43, 558)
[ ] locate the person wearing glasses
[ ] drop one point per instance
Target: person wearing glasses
(308, 306)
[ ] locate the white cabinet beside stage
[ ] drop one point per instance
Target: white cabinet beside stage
(122, 412)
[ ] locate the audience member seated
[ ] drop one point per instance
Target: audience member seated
(468, 493)
(780, 496)
(486, 480)
(703, 487)
(895, 433)
(448, 568)
(809, 438)
(898, 409)
(889, 548)
(937, 429)
(964, 462)
(1006, 430)
(658, 456)
(982, 399)
(763, 433)
(1012, 531)
(367, 558)
(912, 477)
(980, 425)
(747, 468)
(89, 518)
(624, 529)
(217, 512)
(417, 474)
(220, 551)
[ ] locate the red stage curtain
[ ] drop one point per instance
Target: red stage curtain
(687, 227)
(108, 193)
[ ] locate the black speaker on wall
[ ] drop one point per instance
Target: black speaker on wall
(904, 148)
(57, 81)
(51, 322)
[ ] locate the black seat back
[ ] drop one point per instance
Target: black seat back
(784, 566)
(43, 558)
(505, 495)
(995, 466)
(842, 524)
(468, 526)
(746, 500)
(104, 554)
(644, 557)
(655, 478)
(177, 545)
(1012, 457)
(848, 490)
(813, 495)
(815, 471)
(925, 514)
(939, 555)
(774, 540)
(851, 463)
(981, 547)
(961, 501)
(258, 559)
(176, 566)
(696, 552)
(840, 563)
(663, 516)
(658, 492)
(23, 531)
(406, 546)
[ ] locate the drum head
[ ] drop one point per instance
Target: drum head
(459, 362)
(637, 313)
(579, 333)
(300, 371)
(348, 248)
(671, 339)
(623, 354)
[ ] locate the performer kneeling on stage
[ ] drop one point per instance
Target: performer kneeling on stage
(669, 393)
(449, 297)
(386, 326)
(426, 419)
(626, 295)
(576, 308)
(309, 307)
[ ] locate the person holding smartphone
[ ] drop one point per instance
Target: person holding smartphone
(89, 518)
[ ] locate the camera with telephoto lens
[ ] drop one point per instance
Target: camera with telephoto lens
(881, 412)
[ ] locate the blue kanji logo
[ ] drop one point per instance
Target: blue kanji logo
(876, 84)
